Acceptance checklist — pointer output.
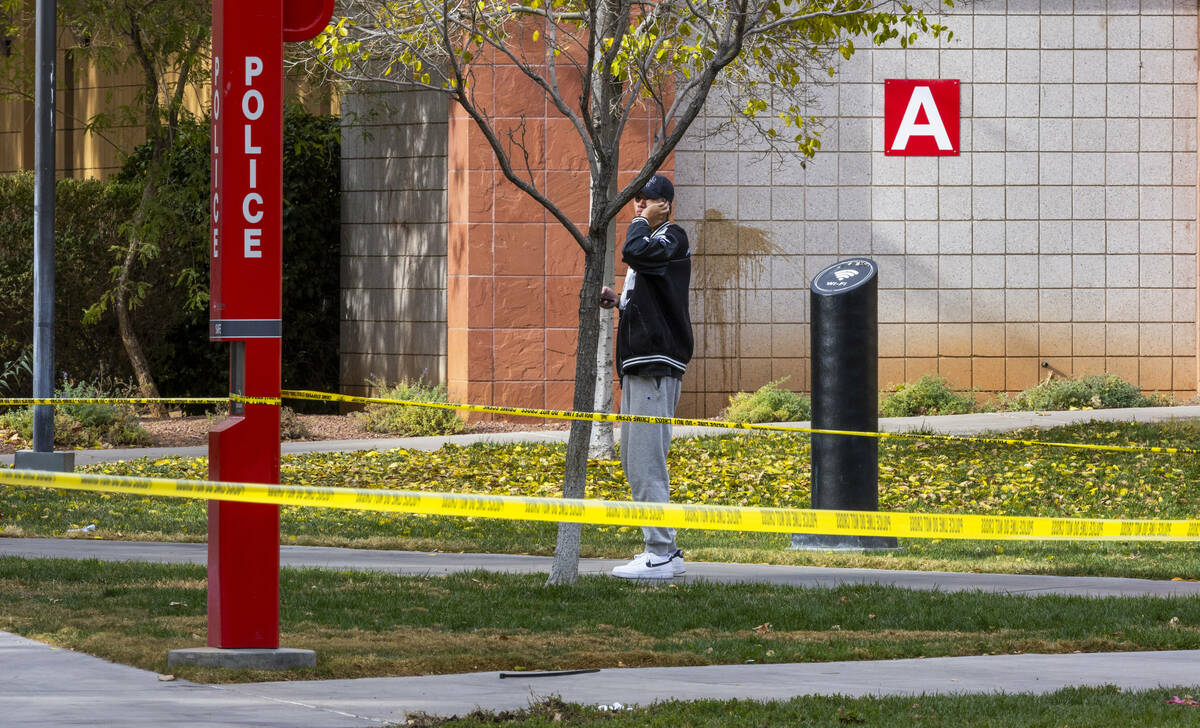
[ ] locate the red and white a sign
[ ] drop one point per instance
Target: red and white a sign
(920, 117)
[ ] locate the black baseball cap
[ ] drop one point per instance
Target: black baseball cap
(658, 187)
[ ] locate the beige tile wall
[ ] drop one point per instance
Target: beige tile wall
(1062, 240)
(393, 238)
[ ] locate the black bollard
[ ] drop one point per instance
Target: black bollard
(845, 396)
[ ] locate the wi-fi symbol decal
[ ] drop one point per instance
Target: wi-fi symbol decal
(845, 273)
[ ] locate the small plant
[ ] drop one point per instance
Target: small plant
(291, 427)
(769, 403)
(929, 395)
(17, 372)
(1097, 391)
(411, 421)
(84, 425)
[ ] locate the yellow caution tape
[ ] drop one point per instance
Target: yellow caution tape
(674, 515)
(609, 417)
(64, 401)
(18, 401)
(253, 400)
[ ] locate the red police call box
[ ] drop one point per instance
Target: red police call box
(246, 281)
(305, 19)
(920, 117)
(245, 286)
(245, 255)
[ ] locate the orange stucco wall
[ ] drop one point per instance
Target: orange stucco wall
(513, 271)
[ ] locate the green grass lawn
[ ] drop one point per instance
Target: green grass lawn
(365, 624)
(1105, 707)
(767, 470)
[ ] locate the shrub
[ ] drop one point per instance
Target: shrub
(16, 373)
(1098, 391)
(411, 421)
(291, 427)
(88, 218)
(91, 232)
(769, 403)
(183, 361)
(85, 425)
(930, 395)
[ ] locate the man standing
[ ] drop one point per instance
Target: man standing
(654, 346)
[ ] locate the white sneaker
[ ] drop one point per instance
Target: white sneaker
(652, 566)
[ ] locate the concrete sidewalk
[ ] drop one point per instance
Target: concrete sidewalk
(974, 424)
(419, 563)
(42, 685)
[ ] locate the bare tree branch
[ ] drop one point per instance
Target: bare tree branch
(668, 60)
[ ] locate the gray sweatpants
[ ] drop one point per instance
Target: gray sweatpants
(644, 448)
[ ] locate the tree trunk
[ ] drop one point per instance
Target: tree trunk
(602, 446)
(133, 348)
(612, 19)
(565, 567)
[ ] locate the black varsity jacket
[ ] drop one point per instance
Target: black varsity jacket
(654, 335)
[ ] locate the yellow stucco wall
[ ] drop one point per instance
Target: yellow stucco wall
(85, 91)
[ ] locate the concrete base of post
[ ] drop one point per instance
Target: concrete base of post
(58, 462)
(836, 542)
(280, 658)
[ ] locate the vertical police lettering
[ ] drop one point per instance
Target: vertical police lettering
(216, 157)
(252, 109)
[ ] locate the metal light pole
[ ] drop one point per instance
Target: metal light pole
(43, 457)
(43, 227)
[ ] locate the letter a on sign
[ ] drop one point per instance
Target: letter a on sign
(920, 117)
